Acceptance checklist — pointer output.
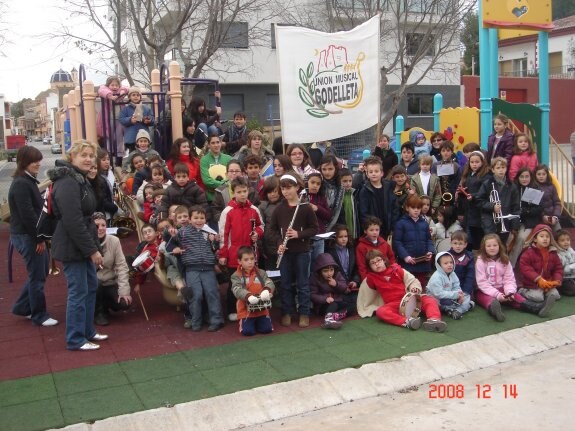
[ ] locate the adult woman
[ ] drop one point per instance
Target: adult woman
(25, 206)
(113, 285)
(300, 160)
(183, 152)
(254, 146)
(75, 243)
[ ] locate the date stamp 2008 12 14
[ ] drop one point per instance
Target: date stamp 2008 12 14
(484, 391)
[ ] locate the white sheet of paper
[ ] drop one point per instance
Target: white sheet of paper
(208, 229)
(324, 235)
(111, 230)
(445, 169)
(272, 273)
(533, 196)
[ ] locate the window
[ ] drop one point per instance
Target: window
(414, 42)
(230, 103)
(420, 104)
(234, 34)
(273, 106)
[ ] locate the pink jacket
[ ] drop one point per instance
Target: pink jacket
(107, 94)
(520, 160)
(494, 278)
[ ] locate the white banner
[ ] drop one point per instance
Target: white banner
(329, 82)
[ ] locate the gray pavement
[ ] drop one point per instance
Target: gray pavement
(525, 377)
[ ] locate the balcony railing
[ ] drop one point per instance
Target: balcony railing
(563, 72)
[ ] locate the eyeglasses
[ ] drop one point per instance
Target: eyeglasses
(438, 140)
(375, 261)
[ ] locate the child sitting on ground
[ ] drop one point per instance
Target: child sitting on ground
(464, 263)
(567, 256)
(250, 285)
(444, 286)
(150, 243)
(369, 241)
(392, 283)
(328, 286)
(540, 267)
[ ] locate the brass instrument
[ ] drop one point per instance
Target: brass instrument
(446, 195)
(286, 239)
(498, 217)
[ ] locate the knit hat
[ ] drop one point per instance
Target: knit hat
(134, 90)
(540, 228)
(143, 133)
(419, 135)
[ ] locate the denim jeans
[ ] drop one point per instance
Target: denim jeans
(82, 288)
(454, 305)
(202, 131)
(204, 284)
(31, 300)
(295, 264)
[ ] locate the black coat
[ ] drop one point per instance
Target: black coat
(368, 206)
(471, 209)
(530, 213)
(389, 160)
(73, 203)
(25, 204)
(509, 197)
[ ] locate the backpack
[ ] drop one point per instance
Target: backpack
(47, 221)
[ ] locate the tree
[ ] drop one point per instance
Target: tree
(142, 34)
(419, 39)
(470, 40)
(17, 108)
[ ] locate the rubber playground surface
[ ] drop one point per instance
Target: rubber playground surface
(158, 363)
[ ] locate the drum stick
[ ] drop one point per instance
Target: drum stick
(143, 306)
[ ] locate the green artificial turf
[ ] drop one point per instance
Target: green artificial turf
(92, 393)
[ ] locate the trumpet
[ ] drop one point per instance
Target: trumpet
(498, 216)
(286, 239)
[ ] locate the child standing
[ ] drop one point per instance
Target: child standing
(253, 166)
(551, 203)
(375, 196)
(272, 196)
(112, 91)
(333, 190)
(426, 183)
(408, 160)
(425, 212)
(348, 212)
(401, 192)
(523, 155)
(496, 285)
(135, 117)
(250, 285)
(540, 268)
(500, 143)
(182, 191)
(567, 256)
(448, 181)
(292, 233)
(476, 171)
(213, 157)
(369, 241)
(445, 287)
(318, 204)
(464, 263)
(392, 282)
(197, 250)
(412, 241)
(328, 286)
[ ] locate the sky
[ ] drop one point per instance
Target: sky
(30, 58)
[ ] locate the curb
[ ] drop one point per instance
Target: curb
(296, 397)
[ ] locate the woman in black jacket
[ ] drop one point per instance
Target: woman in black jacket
(25, 204)
(75, 243)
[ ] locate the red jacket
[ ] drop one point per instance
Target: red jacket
(520, 160)
(364, 245)
(235, 229)
(140, 277)
(388, 283)
(532, 267)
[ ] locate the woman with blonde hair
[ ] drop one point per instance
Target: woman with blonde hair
(75, 242)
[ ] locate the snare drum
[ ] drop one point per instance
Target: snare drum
(263, 304)
(410, 305)
(144, 262)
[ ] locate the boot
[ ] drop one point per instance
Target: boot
(532, 307)
(340, 315)
(495, 311)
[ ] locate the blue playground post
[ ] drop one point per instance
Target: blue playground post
(437, 107)
(493, 64)
(544, 95)
(399, 126)
(484, 86)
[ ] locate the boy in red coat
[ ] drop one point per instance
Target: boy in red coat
(251, 285)
(540, 267)
(371, 241)
(150, 243)
(392, 282)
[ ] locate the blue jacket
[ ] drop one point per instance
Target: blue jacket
(412, 238)
(442, 285)
(131, 130)
(465, 270)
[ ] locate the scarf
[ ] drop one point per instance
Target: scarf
(348, 211)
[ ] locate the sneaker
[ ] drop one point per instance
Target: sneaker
(196, 328)
(216, 327)
(495, 311)
(471, 305)
(49, 322)
(547, 306)
(188, 324)
(413, 323)
(331, 324)
(303, 321)
(454, 314)
(433, 325)
(286, 320)
(99, 337)
(233, 317)
(101, 319)
(89, 346)
(340, 315)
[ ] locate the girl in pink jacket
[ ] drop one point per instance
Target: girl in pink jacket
(523, 155)
(496, 283)
(110, 93)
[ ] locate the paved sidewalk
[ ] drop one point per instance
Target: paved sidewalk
(403, 389)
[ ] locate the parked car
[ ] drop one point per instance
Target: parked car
(47, 140)
(37, 139)
(56, 149)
